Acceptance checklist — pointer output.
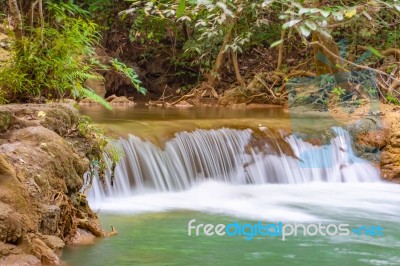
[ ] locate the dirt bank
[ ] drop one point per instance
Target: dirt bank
(43, 157)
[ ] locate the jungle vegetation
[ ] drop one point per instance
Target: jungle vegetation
(231, 50)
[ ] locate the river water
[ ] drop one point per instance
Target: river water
(173, 173)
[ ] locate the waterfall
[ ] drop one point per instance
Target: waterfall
(225, 155)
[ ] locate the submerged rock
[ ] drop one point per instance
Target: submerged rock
(122, 100)
(110, 98)
(183, 104)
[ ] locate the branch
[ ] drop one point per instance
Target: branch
(351, 63)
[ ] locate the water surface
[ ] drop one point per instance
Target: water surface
(153, 224)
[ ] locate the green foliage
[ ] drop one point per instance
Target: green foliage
(129, 73)
(360, 19)
(53, 62)
(2, 97)
(107, 145)
(92, 95)
(50, 62)
(114, 150)
(199, 27)
(61, 10)
(147, 29)
(338, 91)
(391, 99)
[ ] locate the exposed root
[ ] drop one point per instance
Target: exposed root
(91, 227)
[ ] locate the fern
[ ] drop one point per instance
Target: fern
(130, 74)
(52, 64)
(93, 96)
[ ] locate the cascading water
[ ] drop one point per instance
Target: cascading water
(221, 155)
(227, 175)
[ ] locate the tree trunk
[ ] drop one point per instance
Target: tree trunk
(219, 62)
(16, 14)
(33, 5)
(280, 52)
(237, 69)
(326, 63)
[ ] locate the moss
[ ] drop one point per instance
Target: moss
(5, 120)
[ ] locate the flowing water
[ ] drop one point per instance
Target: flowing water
(218, 175)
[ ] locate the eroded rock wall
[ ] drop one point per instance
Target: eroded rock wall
(43, 158)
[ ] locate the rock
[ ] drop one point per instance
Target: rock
(395, 140)
(7, 172)
(122, 100)
(82, 237)
(375, 113)
(19, 260)
(183, 104)
(87, 101)
(50, 218)
(378, 139)
(390, 155)
(5, 120)
(238, 106)
(62, 162)
(10, 224)
(43, 158)
(365, 125)
(53, 242)
(46, 255)
(7, 249)
(5, 54)
(97, 85)
(110, 98)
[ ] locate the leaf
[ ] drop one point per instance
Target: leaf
(397, 7)
(41, 114)
(311, 25)
(183, 18)
(368, 16)
(304, 11)
(338, 17)
(291, 23)
(200, 23)
(325, 13)
(181, 8)
(305, 31)
(93, 96)
(266, 3)
(276, 43)
(309, 10)
(375, 52)
(351, 13)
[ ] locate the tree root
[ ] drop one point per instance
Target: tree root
(300, 73)
(91, 227)
(183, 98)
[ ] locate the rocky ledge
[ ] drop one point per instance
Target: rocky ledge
(43, 158)
(377, 139)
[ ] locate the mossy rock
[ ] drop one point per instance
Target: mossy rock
(5, 120)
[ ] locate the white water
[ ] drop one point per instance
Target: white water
(210, 171)
(220, 155)
(312, 202)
